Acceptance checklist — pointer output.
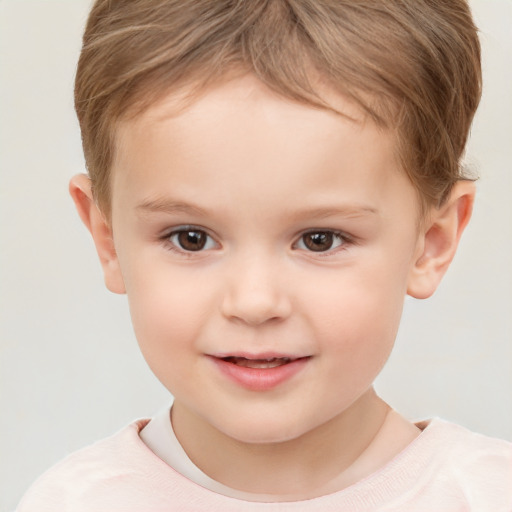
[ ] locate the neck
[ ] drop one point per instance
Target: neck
(326, 459)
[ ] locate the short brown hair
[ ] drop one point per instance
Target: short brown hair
(412, 65)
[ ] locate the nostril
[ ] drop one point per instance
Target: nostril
(255, 293)
(254, 312)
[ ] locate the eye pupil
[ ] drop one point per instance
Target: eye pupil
(320, 241)
(192, 240)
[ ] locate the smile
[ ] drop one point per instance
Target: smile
(271, 362)
(259, 373)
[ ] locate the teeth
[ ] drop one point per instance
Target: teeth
(258, 363)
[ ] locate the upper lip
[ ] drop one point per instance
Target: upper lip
(261, 356)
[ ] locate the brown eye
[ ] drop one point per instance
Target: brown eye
(191, 239)
(318, 241)
(321, 241)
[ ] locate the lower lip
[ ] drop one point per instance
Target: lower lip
(260, 379)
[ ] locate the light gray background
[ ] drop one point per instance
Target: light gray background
(69, 366)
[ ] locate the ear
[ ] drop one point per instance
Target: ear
(95, 222)
(439, 239)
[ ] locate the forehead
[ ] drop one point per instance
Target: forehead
(245, 101)
(243, 130)
(245, 91)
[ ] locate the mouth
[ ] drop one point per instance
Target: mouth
(261, 372)
(262, 363)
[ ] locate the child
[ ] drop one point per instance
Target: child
(267, 181)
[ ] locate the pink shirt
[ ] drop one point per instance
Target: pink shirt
(446, 468)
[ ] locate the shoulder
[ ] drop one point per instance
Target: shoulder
(471, 447)
(477, 467)
(115, 468)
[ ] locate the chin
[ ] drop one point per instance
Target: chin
(264, 431)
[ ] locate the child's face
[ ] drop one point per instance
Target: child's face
(248, 227)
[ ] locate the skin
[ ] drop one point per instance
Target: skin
(256, 175)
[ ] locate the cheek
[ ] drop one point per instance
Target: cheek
(357, 321)
(166, 320)
(167, 309)
(357, 346)
(361, 331)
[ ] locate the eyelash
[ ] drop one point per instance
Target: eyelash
(174, 247)
(343, 238)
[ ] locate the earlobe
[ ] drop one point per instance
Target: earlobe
(95, 222)
(439, 240)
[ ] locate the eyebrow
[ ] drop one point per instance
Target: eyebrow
(348, 210)
(169, 206)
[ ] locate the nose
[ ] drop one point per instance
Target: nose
(255, 292)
